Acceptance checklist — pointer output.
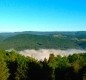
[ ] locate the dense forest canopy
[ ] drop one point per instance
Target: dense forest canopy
(14, 66)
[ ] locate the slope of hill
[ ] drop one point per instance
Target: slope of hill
(48, 40)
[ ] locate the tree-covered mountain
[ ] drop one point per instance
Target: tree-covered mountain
(37, 40)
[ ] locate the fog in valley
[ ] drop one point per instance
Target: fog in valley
(44, 53)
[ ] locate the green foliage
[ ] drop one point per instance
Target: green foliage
(62, 62)
(21, 72)
(51, 61)
(4, 74)
(14, 66)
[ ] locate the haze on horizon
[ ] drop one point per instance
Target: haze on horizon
(42, 15)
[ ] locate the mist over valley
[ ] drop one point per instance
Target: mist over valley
(41, 54)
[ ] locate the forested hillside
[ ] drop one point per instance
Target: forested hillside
(16, 67)
(44, 40)
(26, 41)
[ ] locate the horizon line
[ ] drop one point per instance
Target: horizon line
(41, 31)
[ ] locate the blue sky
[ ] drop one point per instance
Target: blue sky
(42, 15)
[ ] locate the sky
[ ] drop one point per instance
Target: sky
(42, 15)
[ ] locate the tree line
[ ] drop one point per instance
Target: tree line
(14, 66)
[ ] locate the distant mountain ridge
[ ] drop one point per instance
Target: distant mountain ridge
(6, 34)
(37, 40)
